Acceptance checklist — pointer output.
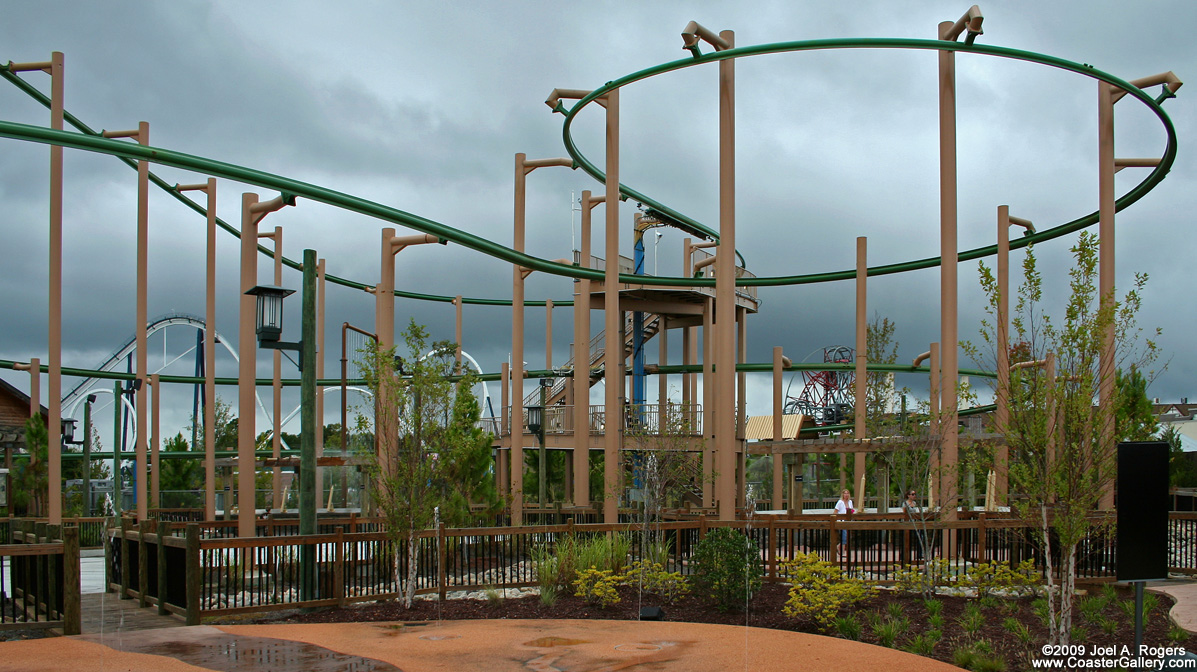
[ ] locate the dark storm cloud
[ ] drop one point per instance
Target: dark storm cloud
(423, 106)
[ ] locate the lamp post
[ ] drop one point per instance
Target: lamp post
(91, 399)
(268, 323)
(67, 435)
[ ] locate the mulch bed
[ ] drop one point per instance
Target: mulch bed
(765, 611)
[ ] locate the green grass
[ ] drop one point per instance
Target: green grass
(848, 627)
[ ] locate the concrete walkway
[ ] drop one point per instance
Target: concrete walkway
(1184, 591)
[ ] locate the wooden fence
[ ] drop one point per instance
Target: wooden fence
(194, 570)
(39, 578)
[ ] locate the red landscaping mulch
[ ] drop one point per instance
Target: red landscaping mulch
(1109, 626)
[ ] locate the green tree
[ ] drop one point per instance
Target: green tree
(31, 480)
(1135, 419)
(183, 478)
(1061, 455)
(443, 461)
(1182, 473)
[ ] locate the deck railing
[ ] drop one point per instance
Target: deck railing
(200, 574)
(39, 578)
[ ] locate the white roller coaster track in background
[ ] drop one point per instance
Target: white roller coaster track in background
(72, 399)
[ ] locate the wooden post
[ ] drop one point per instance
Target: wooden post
(125, 559)
(981, 537)
(53, 577)
(194, 576)
(40, 566)
(339, 567)
(771, 556)
(440, 561)
(143, 563)
(835, 539)
(163, 529)
(109, 542)
(71, 583)
(702, 526)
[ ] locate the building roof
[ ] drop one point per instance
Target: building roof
(761, 426)
(7, 389)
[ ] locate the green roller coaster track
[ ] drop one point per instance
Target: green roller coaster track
(90, 140)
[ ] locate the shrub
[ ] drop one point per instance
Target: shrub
(598, 587)
(493, 596)
(972, 659)
(1018, 629)
(548, 595)
(887, 633)
(820, 590)
(934, 607)
(608, 551)
(728, 567)
(990, 577)
(848, 627)
(923, 580)
(652, 578)
(924, 644)
(1091, 607)
(972, 620)
(1177, 634)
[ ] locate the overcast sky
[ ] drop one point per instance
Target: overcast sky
(422, 106)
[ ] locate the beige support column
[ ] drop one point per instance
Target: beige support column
(54, 68)
(54, 380)
(708, 405)
(862, 359)
(1106, 208)
(141, 136)
(581, 456)
(689, 345)
(386, 421)
(725, 290)
(1001, 413)
(209, 188)
(778, 409)
(933, 402)
(155, 445)
(503, 468)
(517, 352)
(142, 367)
(947, 270)
(613, 323)
(247, 348)
(522, 167)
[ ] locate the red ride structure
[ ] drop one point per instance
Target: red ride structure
(826, 395)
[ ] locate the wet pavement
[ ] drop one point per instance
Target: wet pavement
(499, 646)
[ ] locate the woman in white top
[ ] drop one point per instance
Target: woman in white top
(843, 507)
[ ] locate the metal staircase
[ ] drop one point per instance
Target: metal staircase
(555, 395)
